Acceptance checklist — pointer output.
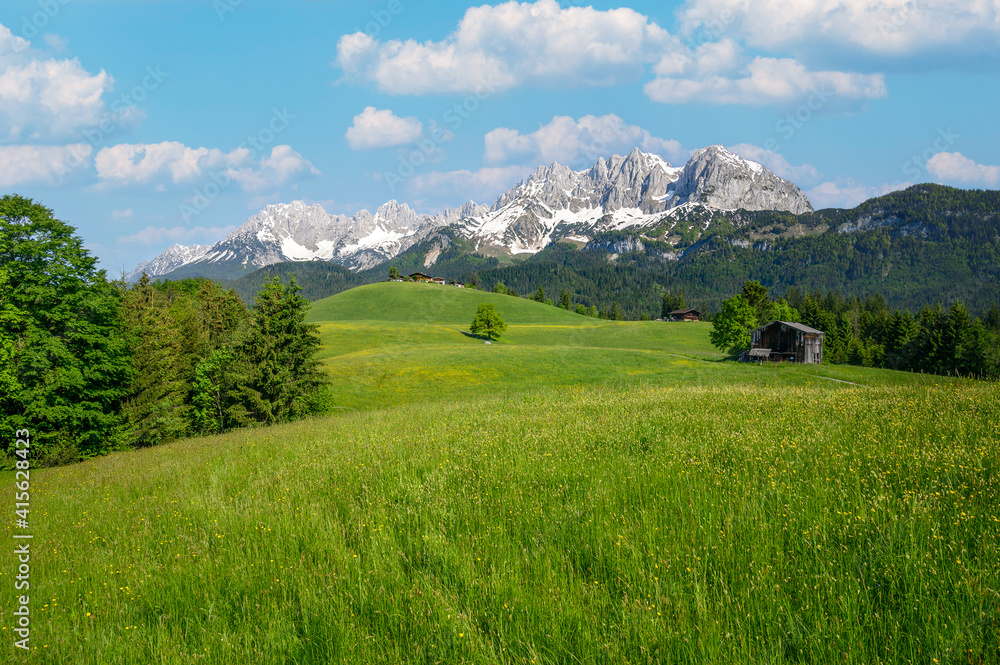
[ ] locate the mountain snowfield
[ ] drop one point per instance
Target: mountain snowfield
(553, 203)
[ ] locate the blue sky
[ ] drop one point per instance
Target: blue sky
(146, 123)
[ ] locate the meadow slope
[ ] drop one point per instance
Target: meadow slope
(583, 491)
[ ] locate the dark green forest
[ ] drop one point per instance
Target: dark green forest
(926, 245)
(866, 332)
(92, 366)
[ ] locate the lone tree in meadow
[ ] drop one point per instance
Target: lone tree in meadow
(488, 322)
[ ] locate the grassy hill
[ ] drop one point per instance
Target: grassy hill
(583, 491)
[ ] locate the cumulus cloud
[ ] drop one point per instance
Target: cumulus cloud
(119, 215)
(41, 97)
(511, 44)
(954, 167)
(542, 44)
(764, 81)
(578, 141)
(374, 128)
(849, 194)
(886, 27)
(776, 163)
(173, 162)
(29, 164)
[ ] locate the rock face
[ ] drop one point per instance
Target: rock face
(553, 203)
(719, 179)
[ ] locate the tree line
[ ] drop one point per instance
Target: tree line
(866, 332)
(92, 366)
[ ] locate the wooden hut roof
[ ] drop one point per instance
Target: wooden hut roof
(682, 312)
(795, 326)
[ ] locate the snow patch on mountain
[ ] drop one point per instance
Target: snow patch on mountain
(553, 203)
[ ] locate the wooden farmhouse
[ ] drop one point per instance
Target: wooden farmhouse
(783, 340)
(421, 277)
(685, 315)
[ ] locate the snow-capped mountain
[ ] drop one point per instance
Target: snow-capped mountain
(170, 260)
(553, 203)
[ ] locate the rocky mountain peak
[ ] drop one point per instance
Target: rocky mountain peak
(719, 179)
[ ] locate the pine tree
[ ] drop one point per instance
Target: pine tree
(279, 354)
(565, 300)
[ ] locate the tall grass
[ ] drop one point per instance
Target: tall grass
(712, 523)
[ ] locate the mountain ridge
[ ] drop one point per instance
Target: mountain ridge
(553, 203)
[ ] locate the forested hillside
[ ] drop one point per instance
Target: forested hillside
(926, 245)
(91, 366)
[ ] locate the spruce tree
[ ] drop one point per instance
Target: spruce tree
(154, 410)
(279, 354)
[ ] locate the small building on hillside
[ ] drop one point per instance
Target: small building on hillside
(684, 315)
(439, 280)
(787, 341)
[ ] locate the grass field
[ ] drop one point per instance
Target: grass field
(580, 492)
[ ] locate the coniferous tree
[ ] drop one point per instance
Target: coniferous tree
(565, 300)
(671, 303)
(282, 373)
(154, 410)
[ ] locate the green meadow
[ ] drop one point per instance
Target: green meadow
(582, 491)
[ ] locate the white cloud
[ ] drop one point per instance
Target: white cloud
(955, 167)
(849, 194)
(281, 166)
(511, 44)
(156, 235)
(765, 81)
(542, 44)
(24, 164)
(44, 98)
(887, 27)
(374, 128)
(170, 161)
(56, 42)
(776, 163)
(453, 187)
(575, 141)
(125, 214)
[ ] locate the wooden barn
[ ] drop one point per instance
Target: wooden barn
(791, 342)
(685, 315)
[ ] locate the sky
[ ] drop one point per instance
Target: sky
(145, 123)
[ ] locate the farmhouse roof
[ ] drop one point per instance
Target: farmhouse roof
(795, 326)
(681, 312)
